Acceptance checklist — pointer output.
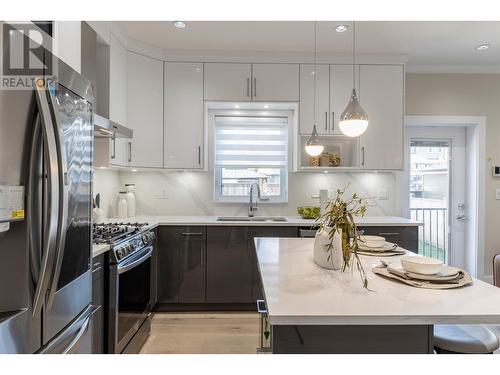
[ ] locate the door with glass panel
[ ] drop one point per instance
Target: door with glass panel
(437, 191)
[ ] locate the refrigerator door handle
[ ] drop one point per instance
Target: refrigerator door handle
(50, 226)
(83, 330)
(63, 210)
(32, 202)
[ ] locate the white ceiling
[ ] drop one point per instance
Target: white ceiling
(449, 45)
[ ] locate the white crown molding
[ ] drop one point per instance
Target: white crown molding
(457, 69)
(279, 57)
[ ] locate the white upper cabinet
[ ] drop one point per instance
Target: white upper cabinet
(145, 110)
(184, 131)
(382, 97)
(306, 109)
(275, 82)
(245, 82)
(67, 43)
(117, 81)
(341, 85)
(228, 81)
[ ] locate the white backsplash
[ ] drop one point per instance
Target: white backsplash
(107, 183)
(191, 193)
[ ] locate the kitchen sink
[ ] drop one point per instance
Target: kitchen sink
(255, 218)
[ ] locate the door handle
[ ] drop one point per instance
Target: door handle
(34, 172)
(254, 87)
(461, 217)
(248, 87)
(113, 148)
(326, 121)
(82, 331)
(53, 196)
(199, 155)
(129, 152)
(192, 234)
(388, 234)
(363, 156)
(332, 123)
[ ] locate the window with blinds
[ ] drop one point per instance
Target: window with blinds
(248, 150)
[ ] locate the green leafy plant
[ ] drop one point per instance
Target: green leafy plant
(339, 215)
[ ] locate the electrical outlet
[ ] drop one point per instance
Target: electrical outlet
(383, 194)
(160, 194)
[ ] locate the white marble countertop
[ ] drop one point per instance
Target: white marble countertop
(297, 292)
(98, 249)
(154, 220)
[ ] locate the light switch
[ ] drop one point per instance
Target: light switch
(497, 194)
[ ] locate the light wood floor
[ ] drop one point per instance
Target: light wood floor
(203, 333)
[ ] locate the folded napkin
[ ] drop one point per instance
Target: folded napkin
(395, 271)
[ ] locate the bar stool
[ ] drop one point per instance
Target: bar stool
(468, 338)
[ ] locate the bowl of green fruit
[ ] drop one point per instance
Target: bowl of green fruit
(308, 212)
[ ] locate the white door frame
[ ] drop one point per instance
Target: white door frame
(475, 141)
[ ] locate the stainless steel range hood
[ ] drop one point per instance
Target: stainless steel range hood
(95, 67)
(105, 128)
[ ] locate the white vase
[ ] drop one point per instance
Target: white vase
(323, 256)
(130, 188)
(122, 205)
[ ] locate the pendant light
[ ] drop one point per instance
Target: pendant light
(313, 146)
(354, 120)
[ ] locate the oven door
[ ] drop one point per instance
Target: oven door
(130, 293)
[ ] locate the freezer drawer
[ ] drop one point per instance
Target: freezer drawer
(75, 338)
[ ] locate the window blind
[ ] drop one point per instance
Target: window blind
(251, 142)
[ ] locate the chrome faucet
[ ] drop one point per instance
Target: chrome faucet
(252, 206)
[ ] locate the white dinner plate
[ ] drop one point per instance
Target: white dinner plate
(446, 273)
(388, 246)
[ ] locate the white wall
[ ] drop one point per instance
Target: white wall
(466, 95)
(191, 193)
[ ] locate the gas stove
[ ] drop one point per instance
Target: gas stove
(113, 233)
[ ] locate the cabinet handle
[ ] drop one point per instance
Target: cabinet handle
(248, 87)
(363, 156)
(199, 155)
(332, 126)
(326, 121)
(201, 257)
(388, 234)
(254, 87)
(113, 149)
(192, 234)
(130, 151)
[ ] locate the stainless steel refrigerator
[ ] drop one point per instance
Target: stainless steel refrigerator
(46, 141)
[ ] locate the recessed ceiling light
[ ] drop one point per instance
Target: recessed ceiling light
(341, 28)
(482, 47)
(179, 24)
(236, 106)
(266, 106)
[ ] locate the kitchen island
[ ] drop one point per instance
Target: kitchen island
(313, 310)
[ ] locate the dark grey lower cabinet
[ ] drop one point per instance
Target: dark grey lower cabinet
(405, 236)
(264, 232)
(97, 302)
(210, 267)
(229, 265)
(181, 265)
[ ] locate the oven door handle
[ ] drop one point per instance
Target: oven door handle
(122, 268)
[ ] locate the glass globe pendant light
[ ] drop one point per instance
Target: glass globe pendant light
(313, 145)
(354, 120)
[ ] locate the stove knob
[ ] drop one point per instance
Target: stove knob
(119, 253)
